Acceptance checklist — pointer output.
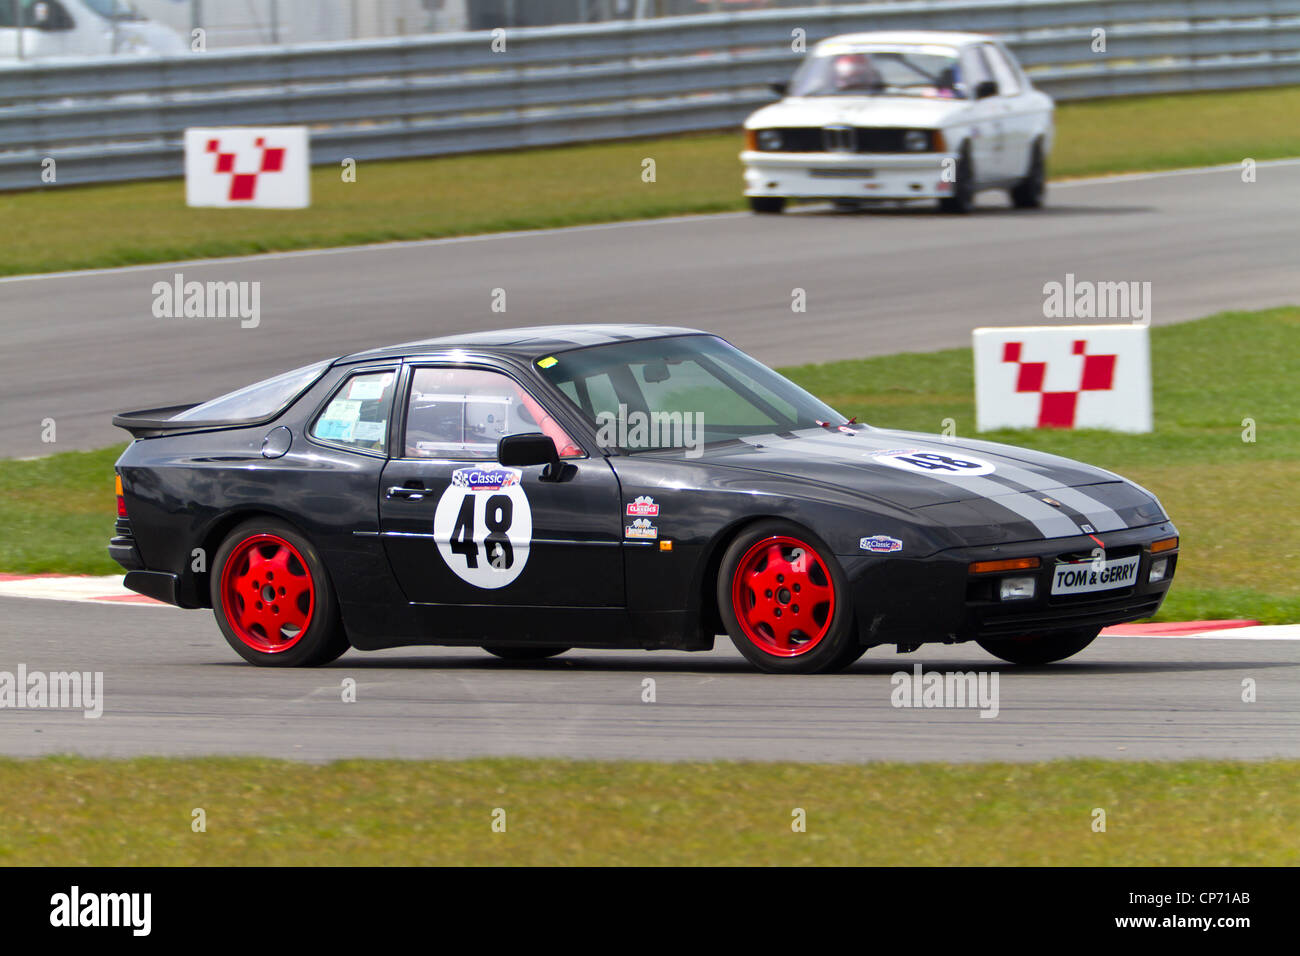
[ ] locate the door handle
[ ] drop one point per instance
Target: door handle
(411, 494)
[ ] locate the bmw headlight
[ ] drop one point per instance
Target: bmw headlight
(916, 140)
(769, 140)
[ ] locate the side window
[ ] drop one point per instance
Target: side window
(357, 413)
(1008, 83)
(462, 413)
(976, 69)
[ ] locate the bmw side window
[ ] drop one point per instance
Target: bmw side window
(357, 413)
(1008, 84)
(461, 413)
(976, 69)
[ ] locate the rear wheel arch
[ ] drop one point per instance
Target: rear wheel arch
(210, 541)
(302, 625)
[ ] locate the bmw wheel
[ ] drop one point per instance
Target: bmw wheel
(1028, 193)
(272, 597)
(1040, 648)
(766, 204)
(962, 199)
(784, 601)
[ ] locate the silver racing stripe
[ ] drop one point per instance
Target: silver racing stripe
(1101, 516)
(1049, 522)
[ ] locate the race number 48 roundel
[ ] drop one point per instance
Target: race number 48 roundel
(939, 464)
(483, 525)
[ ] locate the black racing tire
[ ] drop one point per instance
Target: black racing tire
(521, 653)
(1029, 192)
(1032, 649)
(767, 205)
(289, 621)
(769, 626)
(962, 200)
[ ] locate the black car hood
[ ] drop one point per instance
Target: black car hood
(912, 471)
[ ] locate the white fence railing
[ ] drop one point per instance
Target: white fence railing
(117, 119)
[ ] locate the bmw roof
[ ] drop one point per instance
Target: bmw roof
(909, 38)
(530, 341)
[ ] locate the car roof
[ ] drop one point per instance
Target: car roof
(909, 37)
(526, 342)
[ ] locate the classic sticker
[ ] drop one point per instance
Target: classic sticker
(642, 506)
(938, 464)
(880, 544)
(483, 525)
(641, 528)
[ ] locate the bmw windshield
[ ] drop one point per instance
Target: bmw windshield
(679, 392)
(926, 71)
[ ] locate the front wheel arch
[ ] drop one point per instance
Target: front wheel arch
(833, 645)
(706, 585)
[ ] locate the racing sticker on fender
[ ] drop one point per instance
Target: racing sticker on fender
(939, 464)
(880, 544)
(642, 506)
(484, 525)
(641, 528)
(1081, 577)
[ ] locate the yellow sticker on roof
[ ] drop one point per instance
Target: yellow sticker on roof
(547, 362)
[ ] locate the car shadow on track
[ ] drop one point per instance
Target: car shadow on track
(1050, 211)
(620, 662)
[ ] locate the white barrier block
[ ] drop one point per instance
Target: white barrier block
(1063, 376)
(261, 166)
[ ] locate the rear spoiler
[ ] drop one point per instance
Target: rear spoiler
(152, 422)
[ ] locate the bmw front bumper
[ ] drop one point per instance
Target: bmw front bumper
(862, 177)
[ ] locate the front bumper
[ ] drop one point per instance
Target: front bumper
(863, 177)
(938, 599)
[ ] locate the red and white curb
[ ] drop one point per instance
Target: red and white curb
(108, 589)
(1209, 631)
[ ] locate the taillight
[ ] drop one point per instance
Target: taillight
(121, 502)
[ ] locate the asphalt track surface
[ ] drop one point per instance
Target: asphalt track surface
(173, 687)
(82, 346)
(79, 347)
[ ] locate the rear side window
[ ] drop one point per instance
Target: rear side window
(257, 401)
(1008, 83)
(977, 69)
(357, 413)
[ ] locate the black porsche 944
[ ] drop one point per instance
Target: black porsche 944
(534, 490)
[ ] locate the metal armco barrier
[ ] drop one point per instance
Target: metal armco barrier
(122, 118)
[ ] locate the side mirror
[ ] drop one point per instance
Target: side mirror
(530, 448)
(779, 87)
(985, 89)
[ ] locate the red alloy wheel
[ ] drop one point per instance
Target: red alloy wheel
(783, 596)
(267, 593)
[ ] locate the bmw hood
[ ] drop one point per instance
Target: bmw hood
(1058, 496)
(889, 111)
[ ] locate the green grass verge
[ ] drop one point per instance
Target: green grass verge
(76, 812)
(57, 228)
(1231, 499)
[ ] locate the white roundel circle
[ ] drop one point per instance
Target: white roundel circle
(936, 464)
(483, 525)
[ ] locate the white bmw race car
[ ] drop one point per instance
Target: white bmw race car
(872, 117)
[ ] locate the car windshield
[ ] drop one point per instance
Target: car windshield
(256, 401)
(113, 9)
(679, 392)
(926, 71)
